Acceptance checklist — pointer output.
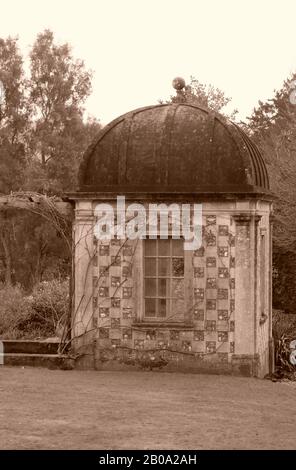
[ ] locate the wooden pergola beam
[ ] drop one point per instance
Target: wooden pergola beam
(35, 202)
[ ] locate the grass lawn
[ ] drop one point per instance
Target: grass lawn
(49, 409)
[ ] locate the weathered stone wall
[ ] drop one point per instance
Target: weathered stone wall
(222, 328)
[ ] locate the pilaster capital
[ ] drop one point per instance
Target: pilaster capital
(84, 216)
(242, 219)
(245, 219)
(257, 218)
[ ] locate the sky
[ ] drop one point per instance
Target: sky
(135, 48)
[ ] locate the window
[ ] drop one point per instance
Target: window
(164, 279)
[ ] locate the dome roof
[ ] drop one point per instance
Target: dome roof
(173, 148)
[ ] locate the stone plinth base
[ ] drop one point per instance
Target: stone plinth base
(125, 359)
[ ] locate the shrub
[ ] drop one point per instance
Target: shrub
(284, 280)
(283, 323)
(50, 305)
(284, 331)
(15, 308)
(40, 315)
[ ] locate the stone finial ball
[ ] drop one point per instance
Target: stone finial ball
(178, 83)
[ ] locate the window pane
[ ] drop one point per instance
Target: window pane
(178, 247)
(178, 267)
(164, 278)
(150, 287)
(163, 247)
(150, 267)
(163, 288)
(150, 310)
(178, 288)
(163, 267)
(150, 247)
(162, 307)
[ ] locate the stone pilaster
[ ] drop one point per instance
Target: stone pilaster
(271, 342)
(244, 278)
(83, 268)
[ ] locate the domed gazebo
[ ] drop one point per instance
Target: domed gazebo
(205, 309)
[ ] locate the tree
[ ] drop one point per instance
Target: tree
(43, 135)
(59, 85)
(206, 96)
(273, 128)
(14, 116)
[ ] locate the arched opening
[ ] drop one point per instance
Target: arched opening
(35, 267)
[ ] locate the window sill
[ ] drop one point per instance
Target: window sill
(163, 324)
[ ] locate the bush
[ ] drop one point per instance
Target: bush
(283, 323)
(50, 305)
(284, 331)
(15, 308)
(284, 280)
(40, 315)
